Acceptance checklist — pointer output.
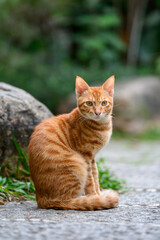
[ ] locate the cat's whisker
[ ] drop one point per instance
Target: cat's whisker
(113, 115)
(117, 105)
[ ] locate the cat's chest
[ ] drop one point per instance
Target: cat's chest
(93, 143)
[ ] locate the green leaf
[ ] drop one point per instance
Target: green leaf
(108, 179)
(100, 21)
(23, 157)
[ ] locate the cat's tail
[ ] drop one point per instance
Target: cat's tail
(108, 199)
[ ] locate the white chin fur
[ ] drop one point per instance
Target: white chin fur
(102, 119)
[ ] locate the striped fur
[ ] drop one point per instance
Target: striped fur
(62, 151)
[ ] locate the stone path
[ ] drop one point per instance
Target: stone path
(136, 218)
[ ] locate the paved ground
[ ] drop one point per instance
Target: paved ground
(136, 218)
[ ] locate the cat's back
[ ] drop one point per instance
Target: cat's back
(51, 132)
(49, 127)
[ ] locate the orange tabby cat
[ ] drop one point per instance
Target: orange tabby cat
(62, 151)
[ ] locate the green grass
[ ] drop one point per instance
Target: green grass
(15, 183)
(151, 134)
(13, 189)
(108, 180)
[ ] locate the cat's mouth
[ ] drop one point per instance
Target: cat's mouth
(94, 117)
(98, 117)
(101, 117)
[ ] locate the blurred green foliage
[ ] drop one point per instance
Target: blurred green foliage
(44, 44)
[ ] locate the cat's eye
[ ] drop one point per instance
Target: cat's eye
(89, 103)
(104, 103)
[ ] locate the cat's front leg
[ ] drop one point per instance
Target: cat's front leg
(90, 188)
(95, 176)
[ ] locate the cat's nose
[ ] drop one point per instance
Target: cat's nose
(97, 113)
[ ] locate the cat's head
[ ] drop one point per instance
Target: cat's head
(95, 103)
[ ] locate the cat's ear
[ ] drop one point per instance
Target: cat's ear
(81, 86)
(108, 86)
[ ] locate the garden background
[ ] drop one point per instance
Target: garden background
(44, 44)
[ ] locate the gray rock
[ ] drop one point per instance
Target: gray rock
(19, 114)
(137, 104)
